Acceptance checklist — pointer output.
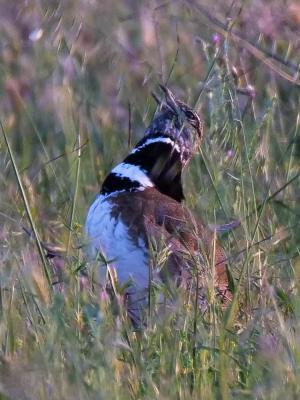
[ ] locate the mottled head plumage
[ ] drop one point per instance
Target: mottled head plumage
(179, 121)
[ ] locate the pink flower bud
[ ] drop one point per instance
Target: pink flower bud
(216, 39)
(251, 91)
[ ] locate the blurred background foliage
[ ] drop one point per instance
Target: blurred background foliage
(76, 81)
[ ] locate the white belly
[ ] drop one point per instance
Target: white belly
(109, 236)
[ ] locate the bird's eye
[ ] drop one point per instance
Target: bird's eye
(190, 115)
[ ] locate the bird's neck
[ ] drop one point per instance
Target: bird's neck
(154, 162)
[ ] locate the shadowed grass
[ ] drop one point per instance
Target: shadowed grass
(76, 89)
(27, 209)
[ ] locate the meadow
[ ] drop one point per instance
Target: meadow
(76, 82)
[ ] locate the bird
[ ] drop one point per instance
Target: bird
(141, 206)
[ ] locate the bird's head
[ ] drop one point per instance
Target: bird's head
(180, 122)
(159, 158)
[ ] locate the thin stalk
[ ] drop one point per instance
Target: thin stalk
(27, 209)
(293, 147)
(194, 351)
(1, 303)
(36, 131)
(74, 200)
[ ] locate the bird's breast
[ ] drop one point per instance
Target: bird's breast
(109, 237)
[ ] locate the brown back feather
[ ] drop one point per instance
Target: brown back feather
(152, 215)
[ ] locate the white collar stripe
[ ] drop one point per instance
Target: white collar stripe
(157, 140)
(133, 172)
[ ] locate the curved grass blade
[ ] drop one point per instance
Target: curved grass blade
(27, 209)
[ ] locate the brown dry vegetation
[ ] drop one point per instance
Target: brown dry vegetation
(73, 74)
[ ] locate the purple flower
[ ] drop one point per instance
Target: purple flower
(83, 282)
(251, 91)
(104, 295)
(216, 39)
(230, 153)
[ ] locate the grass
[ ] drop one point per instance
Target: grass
(76, 82)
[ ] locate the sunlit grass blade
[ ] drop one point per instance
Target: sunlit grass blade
(27, 209)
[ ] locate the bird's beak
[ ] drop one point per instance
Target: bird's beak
(170, 98)
(156, 98)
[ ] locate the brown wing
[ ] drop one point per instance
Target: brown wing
(154, 216)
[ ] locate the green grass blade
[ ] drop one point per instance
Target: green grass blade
(27, 209)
